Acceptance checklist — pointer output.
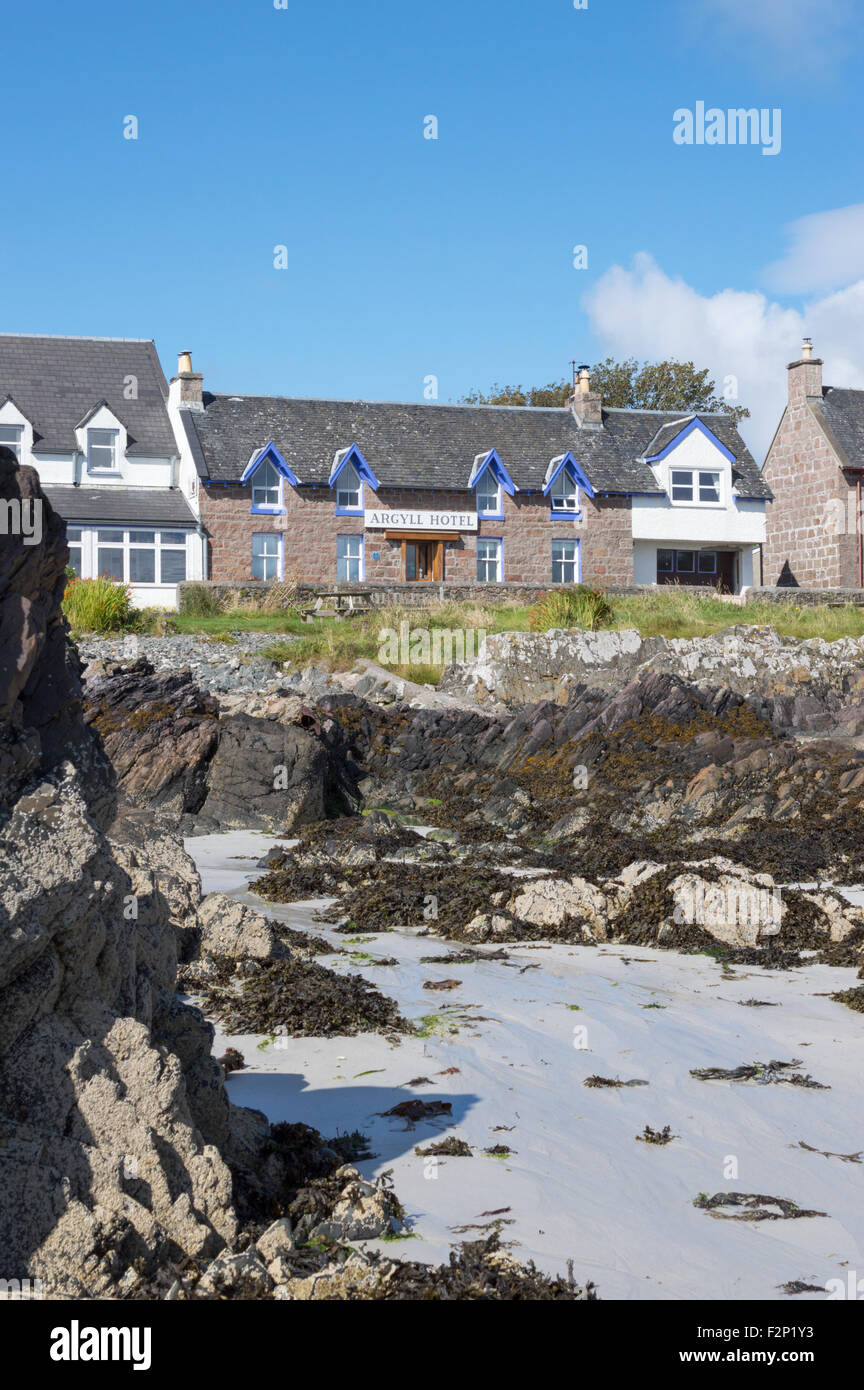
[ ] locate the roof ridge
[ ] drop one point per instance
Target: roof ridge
(360, 400)
(74, 338)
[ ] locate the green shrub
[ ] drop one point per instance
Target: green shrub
(98, 605)
(200, 602)
(576, 606)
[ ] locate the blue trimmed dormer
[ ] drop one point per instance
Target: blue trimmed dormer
(489, 481)
(348, 475)
(268, 473)
(687, 428)
(563, 482)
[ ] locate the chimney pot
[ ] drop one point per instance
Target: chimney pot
(807, 349)
(184, 364)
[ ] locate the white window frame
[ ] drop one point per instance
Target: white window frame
(120, 540)
(699, 478)
(348, 559)
(564, 494)
(15, 445)
(100, 468)
(576, 560)
(343, 492)
(486, 484)
(266, 555)
(258, 487)
(76, 544)
(484, 560)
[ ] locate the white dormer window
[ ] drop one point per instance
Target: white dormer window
(349, 490)
(266, 486)
(695, 487)
(11, 436)
(488, 495)
(564, 492)
(102, 451)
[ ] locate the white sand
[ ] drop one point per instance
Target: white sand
(577, 1184)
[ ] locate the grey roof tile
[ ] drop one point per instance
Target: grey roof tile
(843, 412)
(56, 382)
(154, 506)
(434, 446)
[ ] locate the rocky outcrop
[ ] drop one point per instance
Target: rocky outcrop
(110, 1104)
(276, 768)
(809, 680)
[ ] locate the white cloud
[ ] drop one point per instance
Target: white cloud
(826, 250)
(642, 312)
(798, 35)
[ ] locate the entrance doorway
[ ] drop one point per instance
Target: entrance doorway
(420, 559)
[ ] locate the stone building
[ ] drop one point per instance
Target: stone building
(815, 469)
(359, 491)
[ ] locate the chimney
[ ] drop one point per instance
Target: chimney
(586, 405)
(805, 376)
(187, 387)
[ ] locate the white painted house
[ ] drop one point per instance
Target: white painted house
(706, 524)
(91, 416)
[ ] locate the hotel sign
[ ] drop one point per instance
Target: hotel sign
(393, 520)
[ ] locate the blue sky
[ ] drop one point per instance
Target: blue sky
(410, 257)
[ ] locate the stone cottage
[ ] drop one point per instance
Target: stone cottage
(361, 491)
(815, 469)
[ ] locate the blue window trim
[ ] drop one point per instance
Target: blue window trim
(269, 454)
(499, 540)
(280, 552)
(354, 455)
(492, 461)
(569, 540)
(272, 455)
(350, 511)
(556, 468)
(352, 536)
(687, 429)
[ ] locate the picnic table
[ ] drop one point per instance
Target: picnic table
(343, 603)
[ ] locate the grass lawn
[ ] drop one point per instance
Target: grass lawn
(339, 644)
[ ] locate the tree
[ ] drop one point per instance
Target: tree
(631, 385)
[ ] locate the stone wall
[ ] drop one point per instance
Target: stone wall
(803, 598)
(310, 529)
(809, 541)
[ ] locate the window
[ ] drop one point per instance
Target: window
(685, 562)
(488, 561)
(682, 486)
(564, 492)
(172, 551)
(707, 561)
(665, 561)
(265, 555)
(349, 490)
(266, 487)
(73, 540)
(349, 559)
(10, 435)
(565, 562)
(709, 487)
(488, 494)
(102, 451)
(137, 557)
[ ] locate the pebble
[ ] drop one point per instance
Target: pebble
(218, 667)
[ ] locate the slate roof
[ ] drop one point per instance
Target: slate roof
(843, 413)
(151, 506)
(434, 446)
(56, 382)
